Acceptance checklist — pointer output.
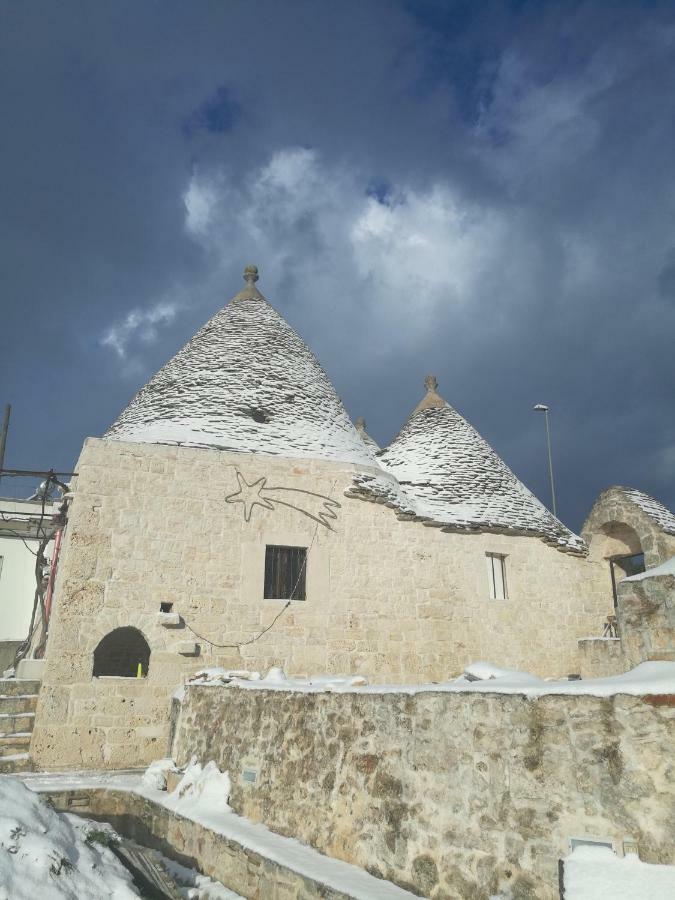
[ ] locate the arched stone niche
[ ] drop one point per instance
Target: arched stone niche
(616, 526)
(616, 539)
(120, 652)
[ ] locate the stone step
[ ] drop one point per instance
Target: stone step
(17, 762)
(11, 744)
(10, 723)
(10, 687)
(18, 704)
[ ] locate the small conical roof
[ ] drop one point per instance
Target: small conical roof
(454, 477)
(245, 382)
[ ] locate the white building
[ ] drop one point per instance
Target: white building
(21, 522)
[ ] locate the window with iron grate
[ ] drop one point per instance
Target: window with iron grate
(285, 571)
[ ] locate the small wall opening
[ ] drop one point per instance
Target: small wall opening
(120, 653)
(618, 539)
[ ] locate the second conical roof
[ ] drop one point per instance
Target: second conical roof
(454, 477)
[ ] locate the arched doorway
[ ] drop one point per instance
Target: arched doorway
(120, 653)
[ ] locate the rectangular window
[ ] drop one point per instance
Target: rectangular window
(496, 564)
(285, 570)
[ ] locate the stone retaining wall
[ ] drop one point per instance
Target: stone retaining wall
(241, 869)
(450, 795)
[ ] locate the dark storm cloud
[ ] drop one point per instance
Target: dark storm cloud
(218, 115)
(484, 190)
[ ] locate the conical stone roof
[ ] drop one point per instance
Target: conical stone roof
(245, 382)
(453, 477)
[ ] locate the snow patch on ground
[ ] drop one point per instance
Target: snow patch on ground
(46, 854)
(592, 873)
(200, 789)
(155, 775)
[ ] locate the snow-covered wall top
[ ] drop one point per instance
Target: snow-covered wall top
(453, 477)
(245, 382)
(656, 511)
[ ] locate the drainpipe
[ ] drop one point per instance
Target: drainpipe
(52, 574)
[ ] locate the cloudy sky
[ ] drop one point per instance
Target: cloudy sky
(483, 190)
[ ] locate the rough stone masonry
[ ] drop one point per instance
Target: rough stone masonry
(452, 795)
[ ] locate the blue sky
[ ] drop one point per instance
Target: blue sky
(483, 190)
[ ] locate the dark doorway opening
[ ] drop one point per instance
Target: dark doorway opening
(120, 653)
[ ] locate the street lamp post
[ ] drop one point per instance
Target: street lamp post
(541, 407)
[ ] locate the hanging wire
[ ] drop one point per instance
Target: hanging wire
(267, 628)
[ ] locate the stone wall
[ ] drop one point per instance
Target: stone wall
(398, 601)
(646, 618)
(246, 871)
(451, 795)
(601, 657)
(617, 526)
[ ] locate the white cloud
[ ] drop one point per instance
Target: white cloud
(347, 257)
(199, 200)
(139, 326)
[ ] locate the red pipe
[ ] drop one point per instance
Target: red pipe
(52, 574)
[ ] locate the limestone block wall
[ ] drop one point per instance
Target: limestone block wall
(398, 601)
(646, 618)
(451, 795)
(600, 657)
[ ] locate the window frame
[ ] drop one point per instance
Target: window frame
(490, 559)
(297, 573)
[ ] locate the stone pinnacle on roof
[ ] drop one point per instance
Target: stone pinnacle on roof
(251, 273)
(454, 477)
(366, 438)
(245, 382)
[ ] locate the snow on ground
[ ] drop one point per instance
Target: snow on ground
(210, 808)
(647, 678)
(155, 775)
(44, 853)
(666, 568)
(595, 873)
(201, 789)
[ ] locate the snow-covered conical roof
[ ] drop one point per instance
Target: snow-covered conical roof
(453, 477)
(245, 382)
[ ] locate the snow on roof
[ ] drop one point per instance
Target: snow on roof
(449, 476)
(245, 382)
(365, 437)
(656, 511)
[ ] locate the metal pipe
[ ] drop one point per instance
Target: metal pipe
(542, 407)
(550, 464)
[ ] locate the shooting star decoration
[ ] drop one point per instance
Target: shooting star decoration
(317, 507)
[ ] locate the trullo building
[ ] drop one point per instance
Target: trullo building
(233, 515)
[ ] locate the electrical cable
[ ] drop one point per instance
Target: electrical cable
(278, 615)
